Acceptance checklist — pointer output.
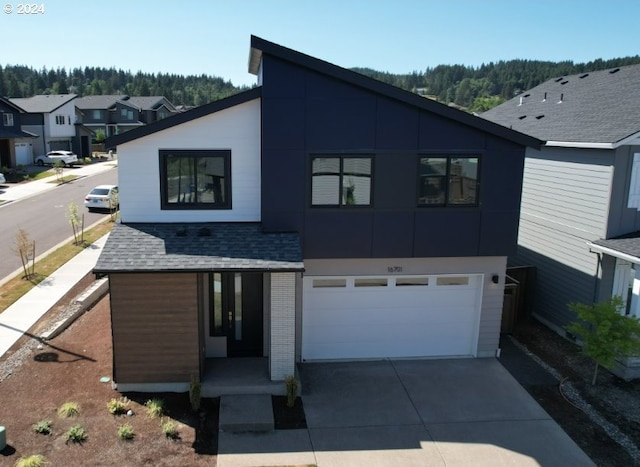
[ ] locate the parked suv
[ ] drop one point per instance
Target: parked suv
(67, 157)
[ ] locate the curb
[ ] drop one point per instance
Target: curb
(78, 306)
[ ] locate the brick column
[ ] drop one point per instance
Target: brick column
(283, 325)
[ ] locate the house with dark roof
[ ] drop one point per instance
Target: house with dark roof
(115, 114)
(321, 215)
(15, 142)
(580, 219)
(50, 116)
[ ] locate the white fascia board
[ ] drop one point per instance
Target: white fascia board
(611, 252)
(581, 145)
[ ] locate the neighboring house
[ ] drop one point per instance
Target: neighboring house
(580, 215)
(50, 116)
(322, 215)
(15, 142)
(115, 114)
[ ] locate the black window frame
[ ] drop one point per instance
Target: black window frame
(341, 175)
(447, 177)
(194, 153)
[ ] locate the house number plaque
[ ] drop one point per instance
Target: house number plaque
(392, 269)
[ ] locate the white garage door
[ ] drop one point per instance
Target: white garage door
(393, 316)
(23, 154)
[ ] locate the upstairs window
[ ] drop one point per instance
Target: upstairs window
(341, 181)
(97, 114)
(7, 119)
(448, 181)
(195, 179)
(59, 119)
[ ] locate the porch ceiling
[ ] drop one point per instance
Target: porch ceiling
(198, 247)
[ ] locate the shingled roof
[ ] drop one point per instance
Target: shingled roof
(43, 103)
(199, 247)
(600, 107)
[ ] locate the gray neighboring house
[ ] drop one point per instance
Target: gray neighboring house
(115, 114)
(50, 116)
(580, 212)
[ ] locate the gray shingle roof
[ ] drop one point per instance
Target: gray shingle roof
(629, 244)
(44, 103)
(596, 107)
(98, 102)
(150, 102)
(229, 246)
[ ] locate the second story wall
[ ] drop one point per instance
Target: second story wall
(60, 122)
(307, 115)
(234, 131)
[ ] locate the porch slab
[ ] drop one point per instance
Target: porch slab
(228, 376)
(246, 413)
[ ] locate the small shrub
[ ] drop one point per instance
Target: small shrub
(87, 160)
(118, 406)
(291, 385)
(35, 460)
(155, 407)
(43, 427)
(69, 409)
(195, 393)
(170, 430)
(76, 434)
(125, 432)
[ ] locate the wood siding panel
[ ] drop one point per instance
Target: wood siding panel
(155, 327)
(236, 128)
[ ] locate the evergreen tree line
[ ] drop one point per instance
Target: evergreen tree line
(474, 88)
(23, 81)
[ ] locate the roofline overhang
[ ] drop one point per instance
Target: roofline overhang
(191, 271)
(632, 139)
(595, 248)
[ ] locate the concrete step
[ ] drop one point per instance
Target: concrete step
(246, 413)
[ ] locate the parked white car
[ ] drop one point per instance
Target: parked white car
(102, 197)
(2, 179)
(50, 158)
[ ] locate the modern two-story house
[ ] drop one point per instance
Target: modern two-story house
(115, 114)
(50, 116)
(15, 142)
(321, 215)
(580, 221)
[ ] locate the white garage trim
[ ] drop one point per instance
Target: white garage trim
(352, 317)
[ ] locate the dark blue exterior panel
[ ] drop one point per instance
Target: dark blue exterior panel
(306, 113)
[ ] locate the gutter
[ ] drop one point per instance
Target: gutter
(593, 248)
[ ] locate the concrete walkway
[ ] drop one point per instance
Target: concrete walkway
(24, 313)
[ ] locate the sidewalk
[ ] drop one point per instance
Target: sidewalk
(24, 313)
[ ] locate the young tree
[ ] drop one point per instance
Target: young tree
(58, 167)
(606, 333)
(77, 223)
(26, 249)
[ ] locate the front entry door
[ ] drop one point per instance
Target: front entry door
(242, 313)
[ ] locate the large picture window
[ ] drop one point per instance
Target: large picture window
(448, 181)
(341, 181)
(195, 179)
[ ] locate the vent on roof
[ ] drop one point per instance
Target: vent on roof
(527, 95)
(522, 117)
(520, 103)
(539, 117)
(544, 99)
(584, 76)
(564, 82)
(204, 232)
(561, 98)
(559, 79)
(615, 70)
(181, 233)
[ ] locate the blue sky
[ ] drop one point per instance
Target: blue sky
(212, 37)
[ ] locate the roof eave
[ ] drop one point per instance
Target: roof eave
(595, 248)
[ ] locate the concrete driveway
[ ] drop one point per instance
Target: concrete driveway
(410, 413)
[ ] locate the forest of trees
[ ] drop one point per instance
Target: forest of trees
(473, 88)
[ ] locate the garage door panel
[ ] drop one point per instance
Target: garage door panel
(392, 321)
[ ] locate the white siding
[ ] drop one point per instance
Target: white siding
(283, 325)
(492, 294)
(68, 129)
(236, 128)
